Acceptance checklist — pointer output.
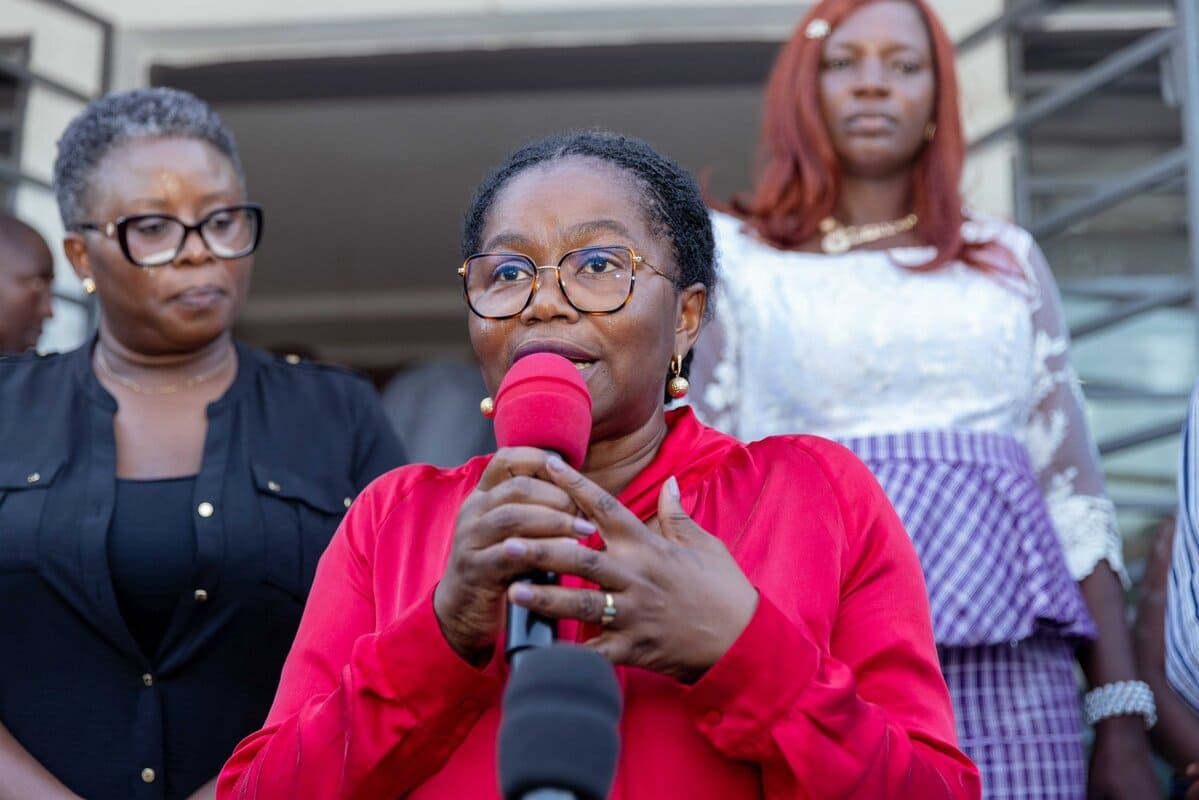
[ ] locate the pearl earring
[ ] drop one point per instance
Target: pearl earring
(487, 407)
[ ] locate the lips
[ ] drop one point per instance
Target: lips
(200, 296)
(582, 359)
(870, 123)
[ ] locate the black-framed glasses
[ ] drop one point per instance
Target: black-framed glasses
(594, 280)
(153, 240)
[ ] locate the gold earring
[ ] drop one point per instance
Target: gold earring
(487, 407)
(930, 130)
(678, 386)
(89, 285)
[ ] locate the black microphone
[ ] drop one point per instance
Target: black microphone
(560, 732)
(542, 402)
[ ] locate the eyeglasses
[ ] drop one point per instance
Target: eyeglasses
(152, 240)
(594, 280)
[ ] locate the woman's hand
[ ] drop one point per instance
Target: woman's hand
(512, 499)
(680, 598)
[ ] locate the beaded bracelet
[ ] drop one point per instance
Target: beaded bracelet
(1118, 699)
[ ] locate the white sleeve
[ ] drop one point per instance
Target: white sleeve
(716, 367)
(1182, 594)
(1059, 439)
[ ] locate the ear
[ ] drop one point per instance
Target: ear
(689, 317)
(76, 251)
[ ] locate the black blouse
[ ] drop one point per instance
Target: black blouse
(151, 554)
(288, 447)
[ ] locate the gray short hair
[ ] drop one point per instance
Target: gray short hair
(120, 116)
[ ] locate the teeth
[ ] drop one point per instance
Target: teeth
(582, 365)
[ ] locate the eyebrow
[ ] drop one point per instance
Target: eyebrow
(583, 230)
(887, 49)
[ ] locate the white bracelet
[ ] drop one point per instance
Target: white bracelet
(1119, 699)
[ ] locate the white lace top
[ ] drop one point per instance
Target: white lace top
(856, 344)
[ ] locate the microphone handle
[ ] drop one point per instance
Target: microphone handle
(527, 629)
(549, 794)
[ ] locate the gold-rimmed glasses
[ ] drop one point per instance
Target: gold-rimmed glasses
(594, 280)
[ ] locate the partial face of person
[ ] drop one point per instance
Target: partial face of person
(877, 88)
(26, 274)
(548, 211)
(189, 301)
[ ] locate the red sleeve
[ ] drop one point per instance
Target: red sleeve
(868, 715)
(361, 711)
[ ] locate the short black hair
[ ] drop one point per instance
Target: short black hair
(119, 117)
(673, 203)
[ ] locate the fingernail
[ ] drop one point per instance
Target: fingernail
(584, 527)
(522, 593)
(672, 486)
(515, 547)
(555, 462)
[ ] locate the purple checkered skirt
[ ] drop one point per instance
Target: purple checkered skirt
(991, 558)
(1019, 717)
(1006, 612)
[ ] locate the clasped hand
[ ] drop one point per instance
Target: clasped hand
(681, 599)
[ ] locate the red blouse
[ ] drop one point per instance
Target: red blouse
(832, 690)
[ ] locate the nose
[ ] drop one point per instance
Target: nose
(193, 249)
(872, 79)
(548, 301)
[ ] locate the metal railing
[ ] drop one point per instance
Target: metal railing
(1176, 48)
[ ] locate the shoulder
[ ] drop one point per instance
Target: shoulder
(292, 375)
(819, 474)
(414, 495)
(298, 368)
(824, 459)
(981, 228)
(33, 370)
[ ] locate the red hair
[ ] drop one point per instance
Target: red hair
(798, 175)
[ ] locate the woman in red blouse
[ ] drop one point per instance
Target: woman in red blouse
(772, 635)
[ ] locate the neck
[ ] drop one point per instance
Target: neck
(163, 368)
(615, 462)
(863, 200)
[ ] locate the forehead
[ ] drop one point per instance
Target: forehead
(25, 254)
(150, 166)
(564, 193)
(882, 23)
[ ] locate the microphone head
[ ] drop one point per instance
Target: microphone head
(543, 402)
(560, 726)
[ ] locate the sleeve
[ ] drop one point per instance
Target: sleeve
(1058, 437)
(362, 711)
(716, 366)
(867, 715)
(1182, 593)
(377, 448)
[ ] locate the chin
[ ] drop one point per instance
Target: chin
(198, 334)
(877, 165)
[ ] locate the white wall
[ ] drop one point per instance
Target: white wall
(67, 50)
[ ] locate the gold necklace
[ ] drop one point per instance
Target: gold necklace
(840, 238)
(102, 362)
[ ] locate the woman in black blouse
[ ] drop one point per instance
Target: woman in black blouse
(165, 491)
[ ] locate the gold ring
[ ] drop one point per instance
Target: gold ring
(609, 610)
